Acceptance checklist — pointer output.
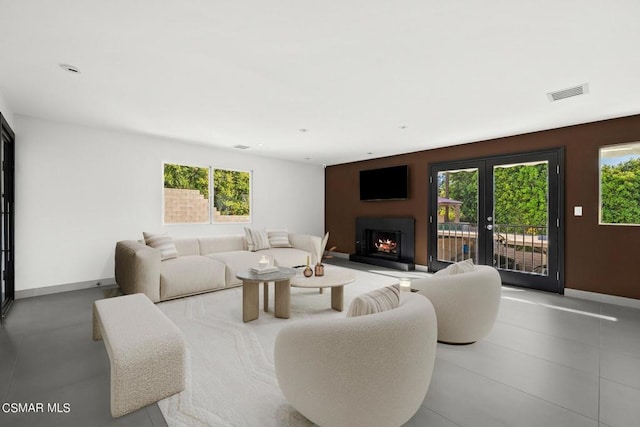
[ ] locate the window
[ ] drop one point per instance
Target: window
(620, 184)
(186, 194)
(231, 196)
(187, 190)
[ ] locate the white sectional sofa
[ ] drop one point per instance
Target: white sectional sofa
(203, 264)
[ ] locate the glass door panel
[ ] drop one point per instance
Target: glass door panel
(457, 218)
(521, 217)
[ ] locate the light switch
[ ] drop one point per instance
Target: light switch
(577, 211)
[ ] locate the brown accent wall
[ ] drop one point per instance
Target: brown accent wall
(597, 258)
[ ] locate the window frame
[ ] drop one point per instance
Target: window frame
(211, 188)
(621, 147)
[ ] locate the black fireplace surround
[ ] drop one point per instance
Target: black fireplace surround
(387, 242)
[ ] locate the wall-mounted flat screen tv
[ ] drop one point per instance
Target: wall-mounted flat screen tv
(385, 183)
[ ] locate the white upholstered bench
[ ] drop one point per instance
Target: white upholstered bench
(146, 351)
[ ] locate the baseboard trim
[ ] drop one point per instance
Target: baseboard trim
(338, 255)
(604, 298)
(67, 287)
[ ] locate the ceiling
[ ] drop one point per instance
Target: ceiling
(364, 78)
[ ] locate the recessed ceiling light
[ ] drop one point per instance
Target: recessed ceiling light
(303, 130)
(70, 68)
(369, 152)
(403, 127)
(241, 147)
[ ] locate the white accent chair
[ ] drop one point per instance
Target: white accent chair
(466, 304)
(371, 370)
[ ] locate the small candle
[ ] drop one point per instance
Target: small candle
(263, 263)
(405, 285)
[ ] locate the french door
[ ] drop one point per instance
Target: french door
(501, 211)
(7, 219)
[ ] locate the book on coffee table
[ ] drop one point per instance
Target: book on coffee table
(255, 270)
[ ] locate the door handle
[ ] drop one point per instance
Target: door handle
(489, 227)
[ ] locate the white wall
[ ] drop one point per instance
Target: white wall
(79, 190)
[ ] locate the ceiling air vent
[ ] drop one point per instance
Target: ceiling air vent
(241, 147)
(568, 93)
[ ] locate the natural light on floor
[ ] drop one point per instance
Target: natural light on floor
(401, 274)
(570, 310)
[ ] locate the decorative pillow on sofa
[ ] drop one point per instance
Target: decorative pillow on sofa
(163, 242)
(256, 239)
(375, 301)
(279, 238)
(460, 267)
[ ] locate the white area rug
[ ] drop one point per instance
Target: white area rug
(230, 373)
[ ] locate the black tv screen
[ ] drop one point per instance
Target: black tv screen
(385, 183)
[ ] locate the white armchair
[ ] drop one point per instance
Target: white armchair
(371, 370)
(466, 304)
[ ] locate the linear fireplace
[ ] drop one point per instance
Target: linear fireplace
(387, 242)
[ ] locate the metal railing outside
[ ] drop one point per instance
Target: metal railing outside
(457, 241)
(520, 248)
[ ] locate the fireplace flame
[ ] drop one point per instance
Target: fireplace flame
(386, 246)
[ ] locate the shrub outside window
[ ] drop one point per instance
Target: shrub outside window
(620, 184)
(231, 196)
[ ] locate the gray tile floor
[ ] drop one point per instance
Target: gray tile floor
(47, 356)
(549, 361)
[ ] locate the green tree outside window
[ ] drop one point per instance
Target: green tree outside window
(187, 178)
(231, 192)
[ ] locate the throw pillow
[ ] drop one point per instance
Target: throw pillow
(279, 238)
(257, 240)
(162, 242)
(460, 267)
(375, 301)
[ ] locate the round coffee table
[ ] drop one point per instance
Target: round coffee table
(334, 278)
